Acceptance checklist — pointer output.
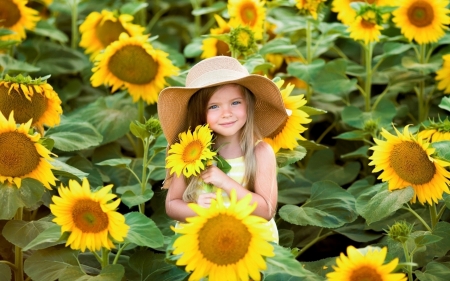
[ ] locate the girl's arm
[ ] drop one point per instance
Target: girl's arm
(176, 208)
(266, 188)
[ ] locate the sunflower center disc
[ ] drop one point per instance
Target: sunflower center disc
(9, 13)
(192, 152)
(224, 240)
(109, 32)
(420, 14)
(248, 14)
(18, 155)
(89, 217)
(24, 109)
(365, 273)
(411, 163)
(133, 64)
(367, 24)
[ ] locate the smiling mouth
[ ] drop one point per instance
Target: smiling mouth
(227, 124)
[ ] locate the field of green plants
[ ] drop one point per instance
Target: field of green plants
(363, 159)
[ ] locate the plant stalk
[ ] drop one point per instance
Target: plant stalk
(408, 259)
(368, 49)
(18, 254)
(74, 10)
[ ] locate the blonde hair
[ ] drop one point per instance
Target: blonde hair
(197, 108)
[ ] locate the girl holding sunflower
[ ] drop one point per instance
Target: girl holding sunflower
(241, 109)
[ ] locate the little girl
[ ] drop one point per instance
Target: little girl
(241, 109)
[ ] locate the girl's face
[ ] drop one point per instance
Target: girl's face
(226, 111)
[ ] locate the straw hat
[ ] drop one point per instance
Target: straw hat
(270, 112)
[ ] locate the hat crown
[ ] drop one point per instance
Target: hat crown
(220, 63)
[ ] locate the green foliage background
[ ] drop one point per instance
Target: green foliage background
(328, 196)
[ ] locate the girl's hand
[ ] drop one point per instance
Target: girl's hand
(215, 176)
(204, 199)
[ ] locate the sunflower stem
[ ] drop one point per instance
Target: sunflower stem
(421, 91)
(146, 143)
(433, 215)
(197, 18)
(141, 116)
(18, 251)
(314, 241)
(119, 252)
(74, 10)
(368, 49)
(10, 264)
(408, 259)
(418, 217)
(105, 257)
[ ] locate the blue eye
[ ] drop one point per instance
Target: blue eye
(236, 102)
(212, 107)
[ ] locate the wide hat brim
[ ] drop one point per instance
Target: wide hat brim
(270, 113)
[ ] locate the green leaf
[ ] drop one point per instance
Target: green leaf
(445, 103)
(287, 156)
(222, 164)
(49, 237)
(359, 153)
(143, 231)
(321, 166)
(392, 48)
(65, 170)
(312, 110)
(379, 202)
(306, 72)
(117, 162)
(439, 249)
(152, 266)
(284, 262)
(72, 136)
(280, 45)
(10, 64)
(132, 194)
(139, 130)
(5, 271)
(111, 116)
(332, 78)
(426, 239)
(132, 8)
(383, 114)
(442, 149)
(330, 206)
(413, 64)
(321, 267)
(311, 145)
(193, 49)
(358, 232)
(435, 271)
(20, 233)
(111, 272)
(12, 198)
(55, 261)
(44, 28)
(353, 135)
(216, 7)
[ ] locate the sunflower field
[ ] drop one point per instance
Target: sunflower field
(363, 159)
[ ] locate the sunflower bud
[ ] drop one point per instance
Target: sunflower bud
(400, 231)
(153, 126)
(242, 40)
(371, 126)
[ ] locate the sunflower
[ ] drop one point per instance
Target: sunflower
(249, 13)
(368, 266)
(288, 135)
(345, 12)
(100, 30)
(309, 6)
(30, 99)
(16, 16)
(133, 63)
(224, 243)
(89, 216)
(214, 47)
(190, 154)
(21, 154)
(443, 75)
(366, 26)
(408, 161)
(422, 20)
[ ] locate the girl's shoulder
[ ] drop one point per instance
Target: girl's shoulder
(262, 148)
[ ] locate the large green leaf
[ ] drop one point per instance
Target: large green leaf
(10, 64)
(322, 166)
(441, 247)
(306, 72)
(280, 45)
(285, 263)
(44, 28)
(49, 237)
(21, 233)
(435, 271)
(383, 115)
(379, 202)
(65, 170)
(112, 272)
(132, 195)
(5, 272)
(151, 266)
(143, 231)
(442, 149)
(13, 198)
(287, 156)
(333, 80)
(72, 136)
(445, 103)
(330, 206)
(111, 116)
(51, 264)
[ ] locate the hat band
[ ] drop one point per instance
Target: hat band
(215, 77)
